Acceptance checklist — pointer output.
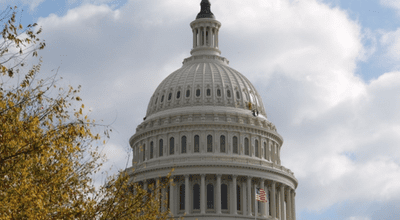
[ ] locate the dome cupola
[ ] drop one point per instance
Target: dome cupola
(205, 32)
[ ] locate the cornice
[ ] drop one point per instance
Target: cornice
(198, 167)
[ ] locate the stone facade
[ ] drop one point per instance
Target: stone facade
(207, 121)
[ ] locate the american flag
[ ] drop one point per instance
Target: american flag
(260, 195)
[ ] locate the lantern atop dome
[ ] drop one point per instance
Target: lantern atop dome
(205, 32)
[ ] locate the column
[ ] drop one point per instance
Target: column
(145, 184)
(212, 39)
(293, 205)
(249, 195)
(203, 194)
(273, 202)
(158, 197)
(282, 199)
(171, 198)
(163, 199)
(263, 204)
(194, 37)
(202, 36)
(268, 203)
(244, 198)
(288, 204)
(218, 199)
(251, 146)
(210, 36)
(216, 39)
(234, 200)
(255, 200)
(278, 207)
(187, 190)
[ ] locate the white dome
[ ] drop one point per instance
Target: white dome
(205, 80)
(208, 123)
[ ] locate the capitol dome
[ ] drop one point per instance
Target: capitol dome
(207, 121)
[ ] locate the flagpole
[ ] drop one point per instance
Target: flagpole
(255, 204)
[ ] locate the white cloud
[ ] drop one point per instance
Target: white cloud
(391, 44)
(391, 3)
(358, 218)
(33, 4)
(341, 133)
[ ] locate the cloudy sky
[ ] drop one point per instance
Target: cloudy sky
(328, 72)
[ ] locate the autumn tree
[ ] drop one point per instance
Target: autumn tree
(48, 147)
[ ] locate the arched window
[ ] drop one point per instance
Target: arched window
(235, 145)
(218, 92)
(178, 94)
(162, 98)
(238, 198)
(183, 145)
(156, 101)
(237, 95)
(151, 150)
(256, 148)
(198, 92)
(196, 144)
(196, 196)
(208, 92)
(171, 146)
(160, 148)
(265, 151)
(222, 144)
(187, 93)
(182, 197)
(224, 196)
(228, 93)
(170, 96)
(246, 146)
(210, 196)
(209, 143)
(144, 152)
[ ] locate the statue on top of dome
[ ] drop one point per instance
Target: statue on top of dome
(205, 11)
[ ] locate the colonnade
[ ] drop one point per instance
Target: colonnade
(205, 36)
(234, 195)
